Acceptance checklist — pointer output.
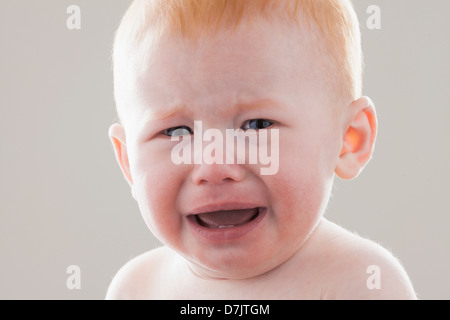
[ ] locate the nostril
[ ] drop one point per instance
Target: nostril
(217, 173)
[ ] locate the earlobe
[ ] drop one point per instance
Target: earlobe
(117, 135)
(358, 140)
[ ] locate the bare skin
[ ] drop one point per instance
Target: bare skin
(293, 252)
(331, 265)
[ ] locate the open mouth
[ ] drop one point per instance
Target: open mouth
(227, 218)
(223, 226)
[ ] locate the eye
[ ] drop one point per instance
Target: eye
(177, 131)
(256, 124)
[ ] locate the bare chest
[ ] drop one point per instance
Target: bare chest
(285, 287)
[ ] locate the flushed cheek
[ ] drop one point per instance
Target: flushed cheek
(297, 203)
(299, 191)
(156, 186)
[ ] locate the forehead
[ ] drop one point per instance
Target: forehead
(256, 60)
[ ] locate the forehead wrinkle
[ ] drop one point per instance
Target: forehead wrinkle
(160, 115)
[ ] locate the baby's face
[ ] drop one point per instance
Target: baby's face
(280, 73)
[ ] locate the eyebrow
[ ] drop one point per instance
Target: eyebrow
(164, 114)
(259, 104)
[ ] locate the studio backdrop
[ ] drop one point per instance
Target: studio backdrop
(68, 221)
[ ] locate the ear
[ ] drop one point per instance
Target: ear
(358, 140)
(117, 135)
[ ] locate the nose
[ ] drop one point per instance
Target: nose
(217, 173)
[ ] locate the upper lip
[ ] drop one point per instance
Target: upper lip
(222, 207)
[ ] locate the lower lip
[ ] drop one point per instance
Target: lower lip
(226, 234)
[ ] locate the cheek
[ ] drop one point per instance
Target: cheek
(303, 183)
(156, 185)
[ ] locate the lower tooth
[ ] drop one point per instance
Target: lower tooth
(227, 226)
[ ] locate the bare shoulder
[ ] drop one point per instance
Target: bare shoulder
(133, 280)
(359, 268)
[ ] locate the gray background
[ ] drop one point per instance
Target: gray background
(63, 200)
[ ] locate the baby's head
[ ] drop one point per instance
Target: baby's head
(293, 67)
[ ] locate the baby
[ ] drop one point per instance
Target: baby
(287, 73)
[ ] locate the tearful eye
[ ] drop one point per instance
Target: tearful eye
(256, 124)
(177, 131)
